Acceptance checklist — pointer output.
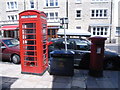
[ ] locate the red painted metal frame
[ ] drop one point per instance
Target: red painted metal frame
(36, 63)
(96, 57)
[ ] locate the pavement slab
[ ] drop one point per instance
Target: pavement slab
(6, 82)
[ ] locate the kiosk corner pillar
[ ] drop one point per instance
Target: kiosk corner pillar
(96, 57)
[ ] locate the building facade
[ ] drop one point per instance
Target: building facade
(95, 16)
(91, 15)
(116, 20)
(119, 13)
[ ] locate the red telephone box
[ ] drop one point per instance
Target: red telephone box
(33, 42)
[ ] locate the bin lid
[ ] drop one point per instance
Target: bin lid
(62, 52)
(98, 38)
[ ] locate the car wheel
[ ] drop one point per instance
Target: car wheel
(15, 59)
(109, 65)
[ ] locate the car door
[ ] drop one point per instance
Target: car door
(71, 44)
(4, 52)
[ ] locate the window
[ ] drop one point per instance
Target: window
(94, 31)
(78, 27)
(8, 5)
(12, 5)
(92, 14)
(99, 13)
(46, 2)
(2, 45)
(56, 2)
(52, 15)
(32, 4)
(105, 13)
(99, 0)
(78, 13)
(117, 31)
(100, 31)
(15, 4)
(56, 15)
(51, 3)
(12, 17)
(78, 1)
(106, 29)
(47, 14)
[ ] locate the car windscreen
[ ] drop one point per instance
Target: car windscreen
(11, 42)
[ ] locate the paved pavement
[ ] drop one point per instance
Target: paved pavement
(80, 80)
(6, 82)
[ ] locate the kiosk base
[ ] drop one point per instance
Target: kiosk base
(40, 74)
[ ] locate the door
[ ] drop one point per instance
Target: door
(5, 54)
(29, 44)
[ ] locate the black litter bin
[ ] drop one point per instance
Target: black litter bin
(61, 63)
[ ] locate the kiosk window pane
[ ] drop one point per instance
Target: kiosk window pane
(29, 47)
(26, 31)
(31, 53)
(29, 25)
(29, 42)
(29, 36)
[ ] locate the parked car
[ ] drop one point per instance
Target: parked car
(10, 50)
(81, 48)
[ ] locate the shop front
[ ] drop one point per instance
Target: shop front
(52, 31)
(9, 31)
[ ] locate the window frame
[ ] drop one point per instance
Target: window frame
(49, 4)
(15, 16)
(76, 1)
(100, 31)
(79, 13)
(100, 1)
(97, 13)
(54, 16)
(11, 5)
(117, 33)
(78, 27)
(32, 3)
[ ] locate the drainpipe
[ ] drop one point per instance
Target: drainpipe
(24, 5)
(67, 12)
(110, 22)
(37, 4)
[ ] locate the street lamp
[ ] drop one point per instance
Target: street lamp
(64, 21)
